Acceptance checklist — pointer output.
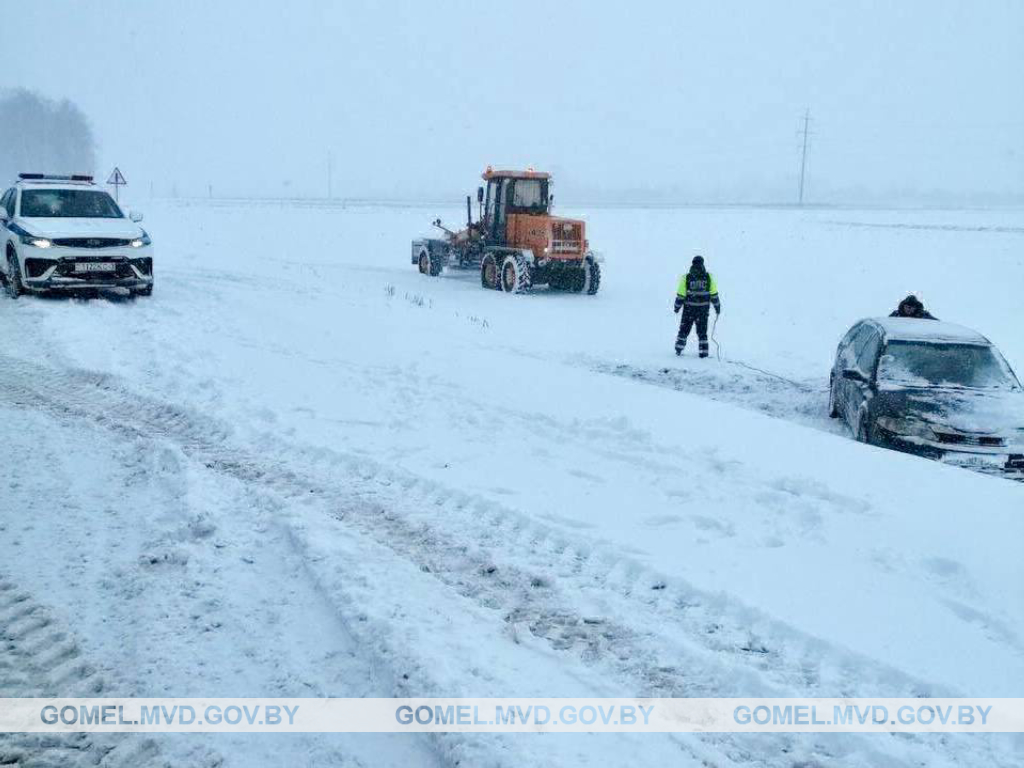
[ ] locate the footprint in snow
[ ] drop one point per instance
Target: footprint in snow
(657, 521)
(711, 524)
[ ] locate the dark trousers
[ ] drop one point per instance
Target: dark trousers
(691, 316)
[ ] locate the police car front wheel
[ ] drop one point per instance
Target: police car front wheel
(13, 278)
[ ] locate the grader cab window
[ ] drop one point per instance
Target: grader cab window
(492, 193)
(508, 195)
(504, 199)
(530, 196)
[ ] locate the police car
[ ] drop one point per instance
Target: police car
(65, 234)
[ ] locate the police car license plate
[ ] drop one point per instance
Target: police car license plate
(95, 266)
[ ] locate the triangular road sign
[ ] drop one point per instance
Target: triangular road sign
(116, 177)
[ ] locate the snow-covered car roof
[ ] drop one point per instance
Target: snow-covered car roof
(912, 329)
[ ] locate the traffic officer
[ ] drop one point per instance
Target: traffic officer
(696, 294)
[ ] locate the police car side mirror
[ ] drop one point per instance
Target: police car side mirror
(135, 216)
(852, 374)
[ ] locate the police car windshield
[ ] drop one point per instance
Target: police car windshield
(922, 364)
(68, 204)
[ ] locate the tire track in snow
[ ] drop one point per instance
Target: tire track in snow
(40, 657)
(801, 402)
(175, 574)
(804, 403)
(674, 641)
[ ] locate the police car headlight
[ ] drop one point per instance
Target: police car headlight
(36, 242)
(138, 242)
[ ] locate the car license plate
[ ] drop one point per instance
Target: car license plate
(978, 461)
(95, 266)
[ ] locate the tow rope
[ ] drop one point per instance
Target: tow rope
(718, 354)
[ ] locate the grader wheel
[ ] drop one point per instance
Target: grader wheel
(428, 265)
(515, 274)
(490, 273)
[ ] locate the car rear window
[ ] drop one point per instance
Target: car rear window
(68, 203)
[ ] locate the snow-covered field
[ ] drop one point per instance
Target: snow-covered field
(303, 469)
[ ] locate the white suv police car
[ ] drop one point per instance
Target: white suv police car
(63, 233)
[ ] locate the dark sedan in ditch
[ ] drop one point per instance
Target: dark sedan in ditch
(930, 388)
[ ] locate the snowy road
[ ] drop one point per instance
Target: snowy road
(301, 469)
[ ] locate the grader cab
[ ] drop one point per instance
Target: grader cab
(515, 243)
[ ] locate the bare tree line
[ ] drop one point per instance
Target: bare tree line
(38, 134)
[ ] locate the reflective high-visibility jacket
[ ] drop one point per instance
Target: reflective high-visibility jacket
(697, 290)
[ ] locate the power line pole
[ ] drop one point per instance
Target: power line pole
(803, 155)
(330, 169)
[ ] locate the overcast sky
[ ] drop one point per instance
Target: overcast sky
(696, 100)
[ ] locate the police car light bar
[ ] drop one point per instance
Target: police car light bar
(47, 177)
